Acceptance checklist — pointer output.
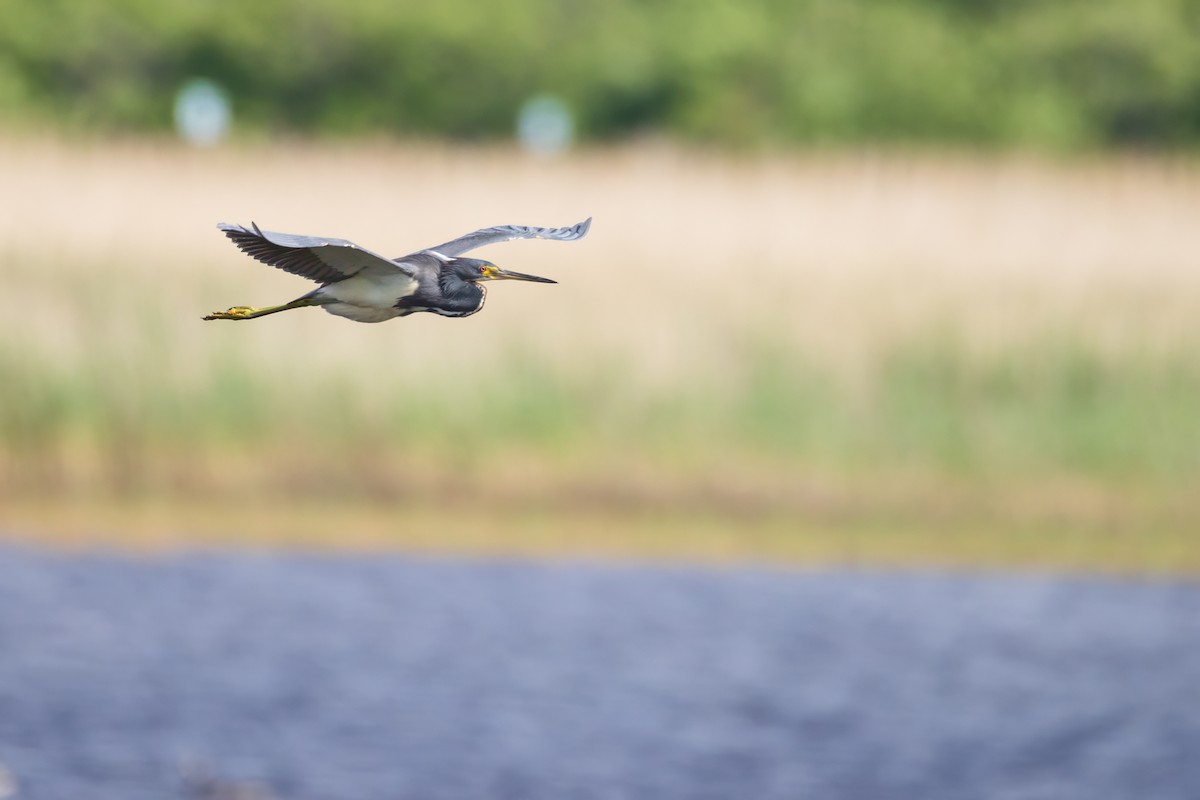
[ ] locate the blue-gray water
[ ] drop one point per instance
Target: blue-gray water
(394, 677)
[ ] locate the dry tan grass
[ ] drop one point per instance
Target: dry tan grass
(833, 254)
(1160, 548)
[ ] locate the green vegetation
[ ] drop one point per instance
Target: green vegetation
(1054, 456)
(1048, 408)
(1080, 73)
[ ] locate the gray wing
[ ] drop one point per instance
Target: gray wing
(504, 233)
(317, 258)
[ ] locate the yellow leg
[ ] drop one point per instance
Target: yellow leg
(246, 312)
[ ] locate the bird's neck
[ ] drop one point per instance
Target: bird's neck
(462, 298)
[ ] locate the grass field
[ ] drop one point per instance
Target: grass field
(879, 358)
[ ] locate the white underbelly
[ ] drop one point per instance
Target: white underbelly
(370, 299)
(373, 292)
(362, 313)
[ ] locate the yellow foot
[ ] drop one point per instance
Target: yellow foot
(237, 312)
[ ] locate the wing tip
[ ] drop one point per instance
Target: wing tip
(231, 229)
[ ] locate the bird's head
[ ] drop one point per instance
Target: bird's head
(475, 270)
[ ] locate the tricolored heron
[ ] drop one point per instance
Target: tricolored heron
(366, 287)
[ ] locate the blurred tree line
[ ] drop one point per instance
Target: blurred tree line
(1045, 73)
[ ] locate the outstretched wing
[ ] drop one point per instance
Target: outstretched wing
(314, 257)
(504, 233)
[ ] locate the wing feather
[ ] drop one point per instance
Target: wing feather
(505, 233)
(317, 258)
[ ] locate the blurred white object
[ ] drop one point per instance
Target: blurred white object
(545, 126)
(202, 112)
(8, 783)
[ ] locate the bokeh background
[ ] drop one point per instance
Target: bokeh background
(910, 281)
(874, 290)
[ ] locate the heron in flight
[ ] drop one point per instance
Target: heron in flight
(366, 287)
